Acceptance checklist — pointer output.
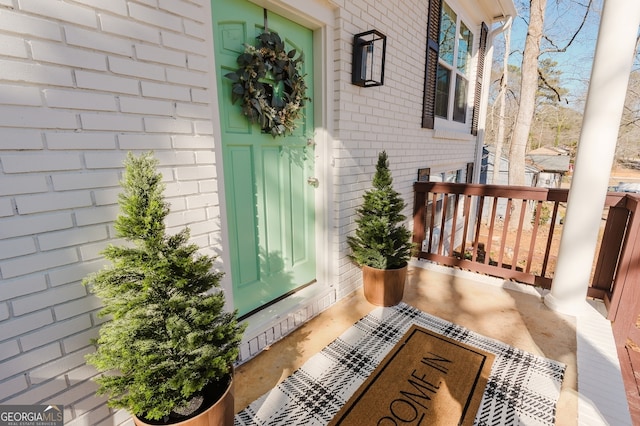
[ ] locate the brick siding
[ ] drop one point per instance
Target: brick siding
(84, 81)
(81, 84)
(368, 120)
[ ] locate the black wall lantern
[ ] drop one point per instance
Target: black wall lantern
(369, 49)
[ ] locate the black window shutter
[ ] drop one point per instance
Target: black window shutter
(469, 177)
(431, 66)
(484, 31)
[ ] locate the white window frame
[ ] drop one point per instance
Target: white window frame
(448, 122)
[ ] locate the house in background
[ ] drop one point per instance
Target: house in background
(486, 177)
(489, 163)
(83, 82)
(544, 167)
(552, 164)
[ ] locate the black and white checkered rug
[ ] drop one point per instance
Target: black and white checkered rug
(523, 388)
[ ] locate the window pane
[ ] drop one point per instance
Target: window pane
(465, 43)
(447, 34)
(460, 106)
(452, 176)
(443, 82)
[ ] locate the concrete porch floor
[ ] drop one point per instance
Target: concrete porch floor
(506, 311)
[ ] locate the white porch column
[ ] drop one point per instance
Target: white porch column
(596, 148)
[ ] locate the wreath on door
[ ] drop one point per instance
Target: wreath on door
(269, 85)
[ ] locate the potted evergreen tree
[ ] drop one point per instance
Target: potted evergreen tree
(382, 245)
(169, 346)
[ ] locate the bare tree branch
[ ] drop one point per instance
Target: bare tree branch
(550, 87)
(573, 37)
(634, 122)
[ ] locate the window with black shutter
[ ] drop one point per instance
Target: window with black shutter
(431, 66)
(448, 67)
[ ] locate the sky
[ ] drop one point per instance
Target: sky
(562, 19)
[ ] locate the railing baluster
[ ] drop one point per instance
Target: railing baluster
(505, 231)
(454, 224)
(534, 233)
(443, 224)
(432, 219)
(476, 238)
(465, 214)
(516, 247)
(494, 209)
(552, 230)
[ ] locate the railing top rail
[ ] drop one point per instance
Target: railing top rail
(622, 199)
(516, 192)
(502, 191)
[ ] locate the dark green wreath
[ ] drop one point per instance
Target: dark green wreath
(269, 85)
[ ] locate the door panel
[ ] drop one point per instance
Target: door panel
(270, 205)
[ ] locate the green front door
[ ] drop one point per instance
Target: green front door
(270, 202)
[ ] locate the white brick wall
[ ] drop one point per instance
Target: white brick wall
(83, 82)
(368, 120)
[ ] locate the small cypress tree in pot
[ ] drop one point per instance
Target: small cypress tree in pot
(381, 242)
(168, 336)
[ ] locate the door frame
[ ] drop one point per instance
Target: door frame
(317, 16)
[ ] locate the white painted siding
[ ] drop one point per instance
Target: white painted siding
(84, 81)
(389, 117)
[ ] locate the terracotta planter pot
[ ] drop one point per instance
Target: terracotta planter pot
(219, 414)
(383, 287)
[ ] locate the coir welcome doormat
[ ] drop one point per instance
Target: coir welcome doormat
(522, 388)
(426, 379)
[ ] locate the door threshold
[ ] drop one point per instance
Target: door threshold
(266, 317)
(274, 301)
